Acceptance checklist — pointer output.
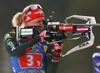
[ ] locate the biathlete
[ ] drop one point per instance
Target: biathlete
(34, 55)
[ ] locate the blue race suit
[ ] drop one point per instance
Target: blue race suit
(31, 62)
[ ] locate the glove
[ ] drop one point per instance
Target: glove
(46, 36)
(57, 46)
(57, 53)
(42, 35)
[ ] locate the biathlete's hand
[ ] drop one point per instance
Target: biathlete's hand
(46, 36)
(57, 52)
(42, 35)
(57, 46)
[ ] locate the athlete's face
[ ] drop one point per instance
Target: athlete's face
(36, 22)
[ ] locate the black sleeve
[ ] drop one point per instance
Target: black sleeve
(16, 50)
(51, 65)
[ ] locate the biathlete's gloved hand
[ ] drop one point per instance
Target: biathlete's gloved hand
(57, 52)
(42, 35)
(58, 46)
(46, 36)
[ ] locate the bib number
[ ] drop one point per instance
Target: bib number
(30, 60)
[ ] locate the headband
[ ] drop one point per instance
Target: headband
(32, 13)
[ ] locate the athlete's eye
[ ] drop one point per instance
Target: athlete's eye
(39, 21)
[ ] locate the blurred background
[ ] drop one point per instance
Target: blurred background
(77, 62)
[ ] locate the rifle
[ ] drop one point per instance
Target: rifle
(76, 29)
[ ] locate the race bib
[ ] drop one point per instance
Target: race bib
(30, 60)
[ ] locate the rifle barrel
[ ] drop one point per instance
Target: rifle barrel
(87, 24)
